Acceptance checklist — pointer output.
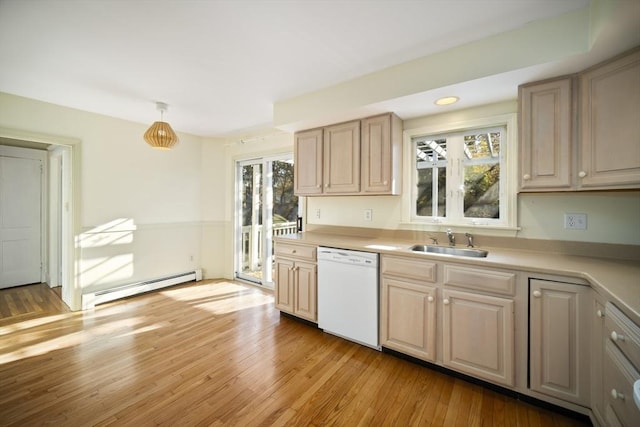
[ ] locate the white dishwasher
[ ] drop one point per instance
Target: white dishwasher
(348, 295)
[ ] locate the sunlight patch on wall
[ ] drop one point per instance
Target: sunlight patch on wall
(117, 232)
(107, 269)
(106, 252)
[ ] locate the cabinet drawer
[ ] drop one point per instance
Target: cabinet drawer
(619, 377)
(480, 279)
(305, 252)
(420, 270)
(623, 332)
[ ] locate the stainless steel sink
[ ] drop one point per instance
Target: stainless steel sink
(477, 253)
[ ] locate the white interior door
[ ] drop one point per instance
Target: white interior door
(20, 221)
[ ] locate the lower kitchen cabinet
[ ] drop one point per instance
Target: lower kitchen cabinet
(408, 304)
(478, 335)
(559, 356)
(477, 331)
(408, 318)
(296, 281)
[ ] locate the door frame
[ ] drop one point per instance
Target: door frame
(70, 221)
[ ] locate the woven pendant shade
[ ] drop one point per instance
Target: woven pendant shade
(161, 136)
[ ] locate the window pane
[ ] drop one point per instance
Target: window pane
(251, 180)
(482, 191)
(482, 145)
(285, 203)
(431, 165)
(426, 200)
(482, 175)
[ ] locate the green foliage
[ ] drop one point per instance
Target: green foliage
(285, 203)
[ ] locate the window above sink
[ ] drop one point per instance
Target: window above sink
(462, 174)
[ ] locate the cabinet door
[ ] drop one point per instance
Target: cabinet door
(558, 340)
(478, 336)
(610, 155)
(305, 291)
(308, 162)
(378, 156)
(408, 318)
(546, 118)
(341, 150)
(284, 281)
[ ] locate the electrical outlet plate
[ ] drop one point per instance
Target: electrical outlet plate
(575, 221)
(318, 213)
(368, 214)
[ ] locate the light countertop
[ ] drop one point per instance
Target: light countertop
(616, 280)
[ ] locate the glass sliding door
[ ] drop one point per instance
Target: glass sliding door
(265, 207)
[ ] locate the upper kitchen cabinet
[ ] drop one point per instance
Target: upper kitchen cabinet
(593, 144)
(610, 123)
(381, 154)
(361, 157)
(308, 154)
(546, 118)
(341, 156)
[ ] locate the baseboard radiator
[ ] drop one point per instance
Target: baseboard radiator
(91, 299)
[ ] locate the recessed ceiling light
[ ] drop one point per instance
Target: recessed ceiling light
(447, 100)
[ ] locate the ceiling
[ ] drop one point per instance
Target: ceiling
(222, 66)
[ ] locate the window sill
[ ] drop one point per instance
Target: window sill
(480, 229)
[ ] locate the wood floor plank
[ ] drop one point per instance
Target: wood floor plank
(216, 353)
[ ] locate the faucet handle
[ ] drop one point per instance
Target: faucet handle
(469, 237)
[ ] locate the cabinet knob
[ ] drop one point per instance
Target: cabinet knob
(318, 186)
(385, 182)
(430, 298)
(293, 251)
(616, 394)
(599, 313)
(526, 177)
(616, 336)
(582, 174)
(537, 294)
(445, 301)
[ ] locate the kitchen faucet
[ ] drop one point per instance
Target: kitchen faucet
(452, 238)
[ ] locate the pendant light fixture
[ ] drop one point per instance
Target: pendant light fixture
(160, 135)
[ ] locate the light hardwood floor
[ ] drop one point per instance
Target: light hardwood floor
(217, 353)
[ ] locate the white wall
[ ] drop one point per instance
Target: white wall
(140, 209)
(214, 203)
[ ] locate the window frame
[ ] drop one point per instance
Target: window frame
(508, 178)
